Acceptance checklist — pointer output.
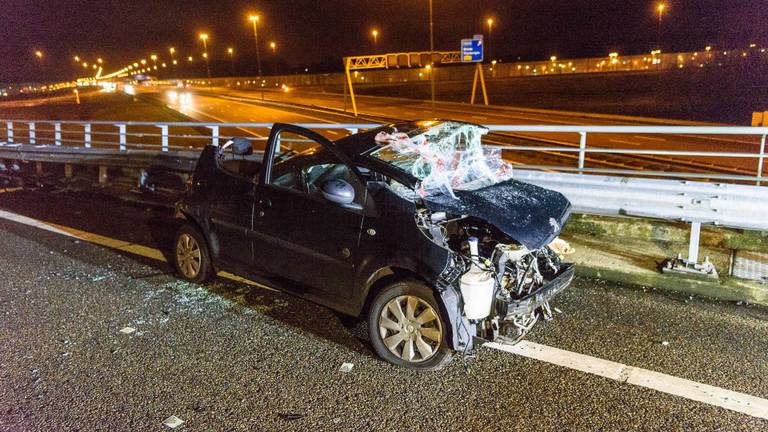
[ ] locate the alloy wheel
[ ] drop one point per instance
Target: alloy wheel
(410, 328)
(188, 256)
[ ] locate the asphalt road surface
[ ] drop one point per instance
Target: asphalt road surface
(231, 356)
(227, 105)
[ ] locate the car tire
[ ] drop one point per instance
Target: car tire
(191, 256)
(407, 327)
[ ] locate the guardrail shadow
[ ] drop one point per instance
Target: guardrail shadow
(124, 223)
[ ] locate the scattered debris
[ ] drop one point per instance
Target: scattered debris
(665, 343)
(557, 310)
(127, 330)
(347, 367)
(290, 416)
(99, 278)
(173, 422)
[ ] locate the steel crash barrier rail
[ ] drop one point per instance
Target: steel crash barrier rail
(668, 194)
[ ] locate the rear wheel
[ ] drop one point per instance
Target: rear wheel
(407, 328)
(191, 256)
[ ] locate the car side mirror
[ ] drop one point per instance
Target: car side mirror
(338, 191)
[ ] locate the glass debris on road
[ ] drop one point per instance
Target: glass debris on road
(173, 422)
(346, 367)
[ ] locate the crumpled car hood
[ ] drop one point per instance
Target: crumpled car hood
(530, 214)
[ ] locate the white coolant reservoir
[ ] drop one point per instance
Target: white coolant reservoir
(476, 287)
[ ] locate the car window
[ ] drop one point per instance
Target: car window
(318, 174)
(289, 179)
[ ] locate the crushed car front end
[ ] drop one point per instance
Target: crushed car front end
(504, 262)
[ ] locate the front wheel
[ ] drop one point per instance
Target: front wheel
(407, 328)
(191, 256)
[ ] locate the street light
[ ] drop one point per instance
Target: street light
(375, 34)
(77, 59)
(172, 51)
(660, 8)
(490, 30)
(39, 54)
(204, 38)
(231, 52)
(255, 19)
(99, 60)
(431, 55)
(274, 47)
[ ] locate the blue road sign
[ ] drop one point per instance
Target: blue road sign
(471, 50)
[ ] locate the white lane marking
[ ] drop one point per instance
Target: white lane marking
(696, 391)
(624, 142)
(735, 401)
(112, 243)
(649, 138)
(220, 120)
(252, 105)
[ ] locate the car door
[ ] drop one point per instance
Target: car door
(231, 216)
(299, 235)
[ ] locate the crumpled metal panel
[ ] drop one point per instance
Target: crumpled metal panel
(530, 214)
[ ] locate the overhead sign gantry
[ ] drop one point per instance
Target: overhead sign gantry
(409, 60)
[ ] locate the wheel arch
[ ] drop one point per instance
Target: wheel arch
(211, 242)
(447, 301)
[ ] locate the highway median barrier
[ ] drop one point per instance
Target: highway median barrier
(631, 250)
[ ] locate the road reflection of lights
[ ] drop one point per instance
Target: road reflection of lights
(172, 96)
(186, 100)
(128, 89)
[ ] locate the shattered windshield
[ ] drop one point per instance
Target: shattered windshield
(443, 156)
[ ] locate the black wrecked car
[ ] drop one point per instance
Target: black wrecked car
(415, 226)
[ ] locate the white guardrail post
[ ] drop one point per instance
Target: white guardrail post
(214, 135)
(693, 242)
(9, 131)
(582, 149)
(87, 135)
(164, 137)
(123, 137)
(760, 159)
(57, 133)
(32, 135)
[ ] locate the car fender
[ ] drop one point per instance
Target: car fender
(461, 331)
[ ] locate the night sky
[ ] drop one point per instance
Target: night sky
(317, 34)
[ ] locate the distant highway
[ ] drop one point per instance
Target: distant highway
(226, 105)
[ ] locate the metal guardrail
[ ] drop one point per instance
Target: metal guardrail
(143, 144)
(165, 136)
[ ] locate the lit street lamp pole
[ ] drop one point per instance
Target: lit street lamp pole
(490, 30)
(661, 12)
(375, 34)
(231, 53)
(172, 51)
(431, 56)
(153, 57)
(255, 19)
(273, 46)
(39, 56)
(204, 38)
